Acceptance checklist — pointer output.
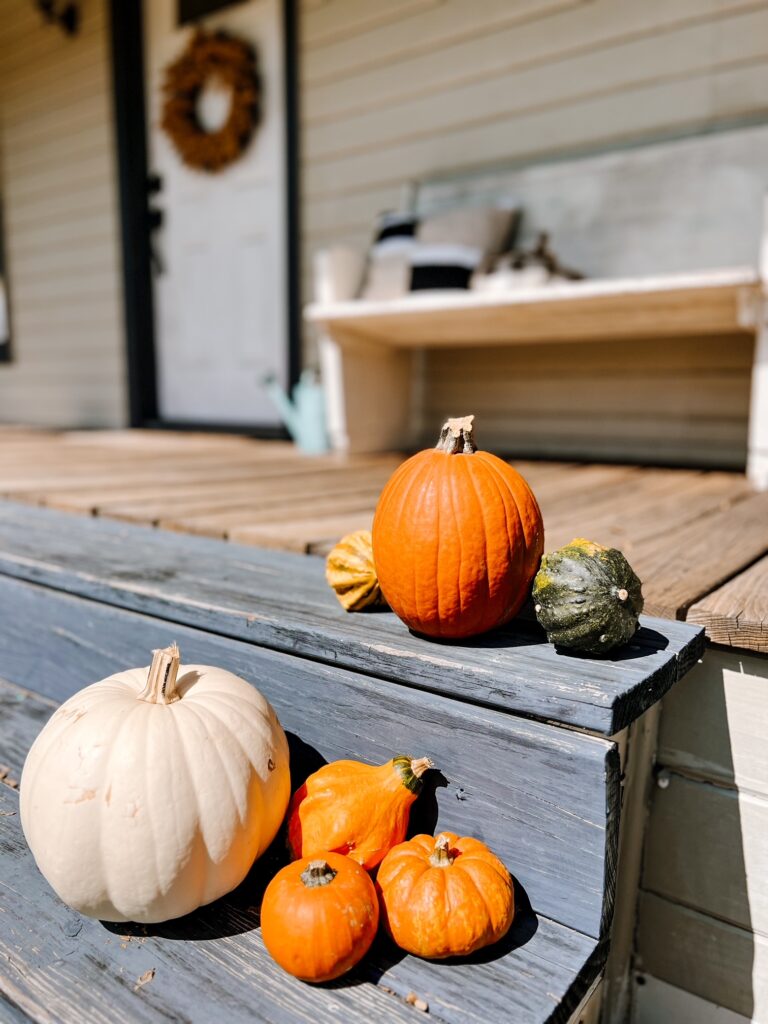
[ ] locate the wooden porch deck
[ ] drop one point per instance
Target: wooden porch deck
(698, 539)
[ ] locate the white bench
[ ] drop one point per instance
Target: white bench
(670, 235)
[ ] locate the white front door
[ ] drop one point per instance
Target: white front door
(221, 288)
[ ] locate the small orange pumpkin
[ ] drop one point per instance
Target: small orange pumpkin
(319, 917)
(356, 809)
(457, 538)
(444, 897)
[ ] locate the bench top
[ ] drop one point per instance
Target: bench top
(699, 303)
(282, 601)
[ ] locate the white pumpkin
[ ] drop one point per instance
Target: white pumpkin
(144, 802)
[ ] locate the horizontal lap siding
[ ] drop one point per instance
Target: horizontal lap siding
(382, 103)
(675, 401)
(410, 89)
(59, 196)
(704, 909)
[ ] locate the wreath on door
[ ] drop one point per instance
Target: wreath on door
(211, 57)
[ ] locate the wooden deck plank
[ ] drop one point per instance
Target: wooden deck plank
(267, 493)
(92, 490)
(282, 601)
(304, 535)
(198, 465)
(632, 497)
(289, 490)
(318, 533)
(139, 439)
(225, 524)
(737, 613)
(693, 559)
(638, 518)
(118, 497)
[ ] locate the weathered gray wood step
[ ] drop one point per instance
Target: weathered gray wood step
(281, 601)
(212, 966)
(535, 793)
(545, 798)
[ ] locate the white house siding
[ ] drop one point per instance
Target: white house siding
(408, 89)
(703, 925)
(59, 196)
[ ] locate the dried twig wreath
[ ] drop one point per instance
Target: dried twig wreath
(230, 61)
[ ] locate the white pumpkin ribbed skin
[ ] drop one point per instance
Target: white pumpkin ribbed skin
(144, 812)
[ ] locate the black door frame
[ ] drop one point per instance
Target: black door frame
(128, 88)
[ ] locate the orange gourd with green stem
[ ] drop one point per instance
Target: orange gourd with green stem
(319, 917)
(457, 538)
(356, 809)
(443, 897)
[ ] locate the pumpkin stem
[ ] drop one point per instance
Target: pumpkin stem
(456, 436)
(411, 770)
(419, 765)
(161, 680)
(316, 873)
(441, 856)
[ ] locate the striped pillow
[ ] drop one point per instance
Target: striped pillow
(443, 266)
(442, 250)
(387, 274)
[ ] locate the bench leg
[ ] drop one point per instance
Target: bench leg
(369, 392)
(757, 459)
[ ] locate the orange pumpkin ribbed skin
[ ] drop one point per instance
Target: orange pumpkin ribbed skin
(359, 810)
(449, 910)
(457, 541)
(319, 931)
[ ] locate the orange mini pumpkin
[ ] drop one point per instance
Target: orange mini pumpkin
(457, 538)
(445, 897)
(356, 809)
(319, 917)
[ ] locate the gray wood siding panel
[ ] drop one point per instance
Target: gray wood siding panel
(699, 839)
(713, 725)
(704, 927)
(717, 961)
(282, 601)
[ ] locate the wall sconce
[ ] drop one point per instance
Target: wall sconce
(65, 15)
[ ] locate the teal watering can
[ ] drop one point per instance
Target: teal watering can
(304, 414)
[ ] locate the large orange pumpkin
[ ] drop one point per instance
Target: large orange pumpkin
(457, 538)
(319, 917)
(445, 897)
(360, 810)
